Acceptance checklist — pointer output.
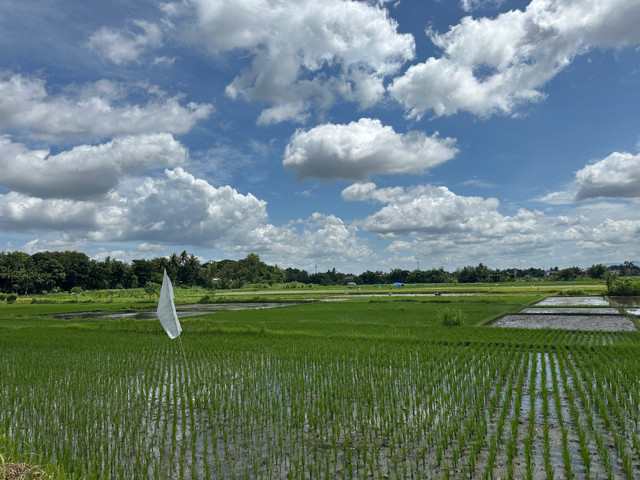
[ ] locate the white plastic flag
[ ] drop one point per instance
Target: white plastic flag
(167, 310)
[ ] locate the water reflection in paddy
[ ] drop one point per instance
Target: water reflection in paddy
(182, 311)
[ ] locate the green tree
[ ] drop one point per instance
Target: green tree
(50, 272)
(570, 273)
(596, 271)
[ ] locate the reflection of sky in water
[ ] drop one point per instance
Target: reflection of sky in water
(570, 310)
(182, 311)
(626, 301)
(633, 311)
(573, 301)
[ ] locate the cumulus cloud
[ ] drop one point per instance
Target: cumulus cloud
(181, 209)
(178, 209)
(611, 233)
(43, 245)
(493, 65)
(85, 171)
(293, 43)
(361, 149)
(125, 46)
(618, 175)
(302, 243)
(90, 112)
(429, 210)
(470, 5)
(22, 213)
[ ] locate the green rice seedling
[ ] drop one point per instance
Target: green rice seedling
(256, 404)
(566, 456)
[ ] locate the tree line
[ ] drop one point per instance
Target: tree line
(69, 271)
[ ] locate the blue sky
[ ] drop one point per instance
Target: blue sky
(334, 134)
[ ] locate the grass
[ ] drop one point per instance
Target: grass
(279, 293)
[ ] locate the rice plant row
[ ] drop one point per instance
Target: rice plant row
(127, 405)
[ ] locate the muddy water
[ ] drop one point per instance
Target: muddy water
(631, 305)
(568, 301)
(626, 302)
(571, 310)
(182, 311)
(608, 323)
(569, 313)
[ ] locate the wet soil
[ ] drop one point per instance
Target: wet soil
(607, 323)
(568, 301)
(569, 313)
(571, 310)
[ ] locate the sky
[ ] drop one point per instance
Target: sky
(355, 135)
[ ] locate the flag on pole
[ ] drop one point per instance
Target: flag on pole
(167, 310)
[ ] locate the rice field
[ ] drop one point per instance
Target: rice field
(354, 389)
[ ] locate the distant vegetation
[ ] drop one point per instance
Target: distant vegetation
(75, 272)
(624, 286)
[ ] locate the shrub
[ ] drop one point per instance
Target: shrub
(451, 317)
(207, 299)
(575, 292)
(37, 301)
(624, 287)
(11, 298)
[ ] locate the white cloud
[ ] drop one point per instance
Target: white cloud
(43, 245)
(432, 210)
(493, 65)
(293, 43)
(610, 233)
(361, 149)
(182, 209)
(90, 112)
(85, 171)
(179, 209)
(557, 198)
(470, 5)
(605, 231)
(121, 47)
(320, 238)
(142, 250)
(21, 213)
(618, 175)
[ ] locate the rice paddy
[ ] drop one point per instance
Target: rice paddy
(361, 388)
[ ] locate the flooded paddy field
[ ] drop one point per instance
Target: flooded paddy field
(568, 301)
(631, 305)
(374, 389)
(571, 310)
(585, 313)
(605, 323)
(182, 311)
